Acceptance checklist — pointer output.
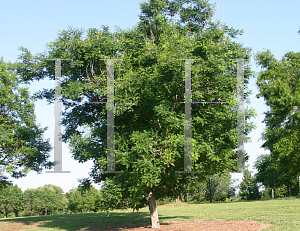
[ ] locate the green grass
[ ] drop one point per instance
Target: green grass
(283, 214)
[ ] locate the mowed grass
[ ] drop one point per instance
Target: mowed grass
(283, 214)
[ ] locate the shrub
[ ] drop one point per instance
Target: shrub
(281, 192)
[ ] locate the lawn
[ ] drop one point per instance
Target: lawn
(283, 214)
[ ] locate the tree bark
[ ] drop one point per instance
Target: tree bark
(274, 185)
(153, 211)
(185, 197)
(46, 212)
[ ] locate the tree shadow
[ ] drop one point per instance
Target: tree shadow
(92, 221)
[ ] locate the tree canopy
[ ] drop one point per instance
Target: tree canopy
(149, 99)
(22, 146)
(278, 83)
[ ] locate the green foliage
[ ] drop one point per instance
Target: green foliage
(11, 199)
(279, 85)
(4, 181)
(149, 96)
(249, 189)
(197, 192)
(216, 188)
(281, 192)
(57, 201)
(83, 199)
(22, 147)
(45, 200)
(266, 194)
(265, 166)
(223, 188)
(34, 201)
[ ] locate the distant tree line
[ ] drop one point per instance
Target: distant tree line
(51, 199)
(46, 200)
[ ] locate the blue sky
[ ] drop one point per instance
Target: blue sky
(32, 24)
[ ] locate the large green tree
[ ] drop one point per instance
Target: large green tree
(278, 83)
(149, 99)
(22, 146)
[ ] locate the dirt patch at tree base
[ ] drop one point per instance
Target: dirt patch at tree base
(191, 226)
(18, 226)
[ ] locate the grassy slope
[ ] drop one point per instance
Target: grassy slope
(283, 214)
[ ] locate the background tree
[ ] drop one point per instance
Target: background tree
(54, 199)
(22, 147)
(41, 200)
(197, 191)
(214, 188)
(11, 199)
(4, 181)
(211, 187)
(90, 198)
(5, 204)
(17, 200)
(265, 175)
(149, 97)
(84, 199)
(223, 187)
(75, 203)
(249, 189)
(35, 201)
(279, 85)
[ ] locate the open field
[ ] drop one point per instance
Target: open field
(280, 214)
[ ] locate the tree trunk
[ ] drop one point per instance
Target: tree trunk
(153, 211)
(210, 198)
(4, 212)
(46, 212)
(274, 185)
(177, 200)
(290, 192)
(185, 197)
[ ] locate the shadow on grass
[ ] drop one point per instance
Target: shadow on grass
(92, 221)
